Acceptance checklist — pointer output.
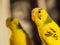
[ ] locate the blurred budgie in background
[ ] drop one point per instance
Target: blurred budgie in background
(18, 35)
(20, 10)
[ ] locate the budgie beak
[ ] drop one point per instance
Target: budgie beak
(8, 21)
(33, 16)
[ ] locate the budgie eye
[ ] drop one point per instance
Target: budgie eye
(11, 19)
(39, 16)
(39, 11)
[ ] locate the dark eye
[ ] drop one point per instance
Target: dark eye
(11, 19)
(39, 11)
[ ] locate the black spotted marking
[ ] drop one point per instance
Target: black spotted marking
(52, 30)
(48, 34)
(39, 17)
(55, 36)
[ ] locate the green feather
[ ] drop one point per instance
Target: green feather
(48, 20)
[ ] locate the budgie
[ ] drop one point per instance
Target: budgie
(18, 36)
(48, 29)
(21, 11)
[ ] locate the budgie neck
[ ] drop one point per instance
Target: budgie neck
(42, 24)
(37, 22)
(15, 27)
(47, 21)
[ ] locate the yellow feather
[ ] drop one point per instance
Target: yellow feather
(18, 36)
(48, 30)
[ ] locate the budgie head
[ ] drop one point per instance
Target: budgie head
(12, 22)
(39, 16)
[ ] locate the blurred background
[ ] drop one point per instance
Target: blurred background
(21, 9)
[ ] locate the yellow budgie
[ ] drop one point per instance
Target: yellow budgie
(48, 30)
(18, 36)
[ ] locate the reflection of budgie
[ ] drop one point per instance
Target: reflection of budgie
(20, 10)
(18, 36)
(48, 30)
